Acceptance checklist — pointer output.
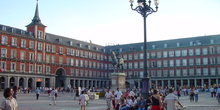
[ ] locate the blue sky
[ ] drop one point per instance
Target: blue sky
(108, 22)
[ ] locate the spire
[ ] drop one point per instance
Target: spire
(36, 20)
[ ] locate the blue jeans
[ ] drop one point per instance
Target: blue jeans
(141, 108)
(196, 97)
(125, 108)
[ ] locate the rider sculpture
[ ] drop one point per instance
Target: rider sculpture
(117, 60)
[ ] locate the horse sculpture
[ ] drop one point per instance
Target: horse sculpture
(117, 61)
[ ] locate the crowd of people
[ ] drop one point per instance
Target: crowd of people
(158, 98)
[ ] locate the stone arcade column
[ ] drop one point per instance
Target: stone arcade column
(118, 81)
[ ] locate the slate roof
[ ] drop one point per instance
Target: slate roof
(156, 45)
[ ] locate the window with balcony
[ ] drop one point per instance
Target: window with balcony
(77, 53)
(31, 68)
(178, 72)
(136, 56)
(191, 62)
(3, 66)
(129, 65)
(14, 41)
(48, 47)
(198, 51)
(125, 65)
(60, 60)
(125, 56)
(185, 73)
(23, 43)
(3, 52)
(72, 72)
(153, 73)
(198, 71)
(159, 55)
(130, 57)
(204, 51)
(22, 67)
(61, 50)
(159, 73)
(205, 61)
(158, 63)
(72, 62)
(22, 55)
(178, 62)
(53, 59)
(81, 63)
(191, 52)
(171, 73)
(13, 53)
(212, 70)
(184, 62)
(211, 50)
(141, 74)
(165, 73)
(13, 67)
(184, 52)
(4, 40)
(40, 46)
(191, 72)
(165, 63)
(153, 55)
(39, 57)
(39, 69)
(94, 55)
(31, 44)
(205, 71)
(165, 54)
(53, 49)
(212, 60)
(31, 56)
(198, 61)
(171, 53)
(171, 63)
(47, 69)
(177, 53)
(48, 58)
(135, 65)
(141, 64)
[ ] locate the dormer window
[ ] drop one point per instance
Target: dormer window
(71, 42)
(60, 40)
(3, 28)
(212, 41)
(120, 50)
(103, 50)
(178, 44)
(88, 46)
(97, 49)
(80, 45)
(142, 47)
(198, 42)
(153, 46)
(165, 45)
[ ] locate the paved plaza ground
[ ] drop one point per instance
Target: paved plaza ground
(66, 102)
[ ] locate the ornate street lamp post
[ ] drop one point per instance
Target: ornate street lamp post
(145, 9)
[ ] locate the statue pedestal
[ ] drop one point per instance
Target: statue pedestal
(118, 81)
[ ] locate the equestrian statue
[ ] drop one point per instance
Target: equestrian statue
(117, 60)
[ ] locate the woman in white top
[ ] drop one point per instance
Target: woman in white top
(9, 103)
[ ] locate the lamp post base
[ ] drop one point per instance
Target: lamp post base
(145, 88)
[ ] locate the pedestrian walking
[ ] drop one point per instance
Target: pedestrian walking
(52, 97)
(113, 99)
(118, 95)
(171, 100)
(196, 95)
(9, 103)
(191, 96)
(37, 91)
(108, 96)
(82, 101)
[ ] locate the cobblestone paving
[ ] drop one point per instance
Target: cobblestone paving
(66, 102)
